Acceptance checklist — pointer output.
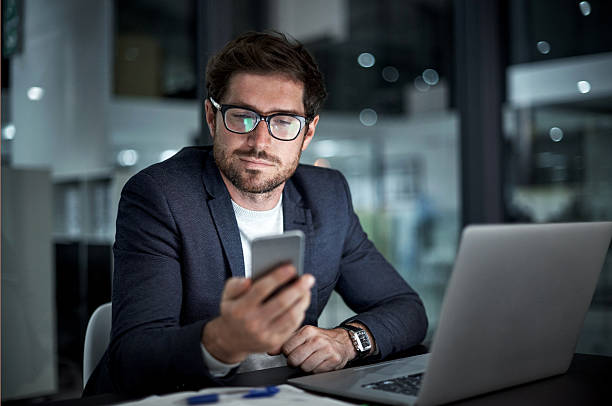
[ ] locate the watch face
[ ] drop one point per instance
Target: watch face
(360, 339)
(364, 341)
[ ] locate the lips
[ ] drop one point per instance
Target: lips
(256, 163)
(260, 159)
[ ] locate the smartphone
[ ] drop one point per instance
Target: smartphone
(269, 252)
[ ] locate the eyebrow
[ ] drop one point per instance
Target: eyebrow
(272, 111)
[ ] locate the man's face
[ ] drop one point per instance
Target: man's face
(256, 162)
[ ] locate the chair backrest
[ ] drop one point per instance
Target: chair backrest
(97, 337)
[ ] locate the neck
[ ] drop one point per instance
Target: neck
(254, 201)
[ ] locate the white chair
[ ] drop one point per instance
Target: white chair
(97, 337)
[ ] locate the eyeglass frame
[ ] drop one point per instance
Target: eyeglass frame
(224, 107)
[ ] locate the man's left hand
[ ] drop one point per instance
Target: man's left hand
(319, 350)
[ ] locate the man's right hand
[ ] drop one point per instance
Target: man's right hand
(251, 324)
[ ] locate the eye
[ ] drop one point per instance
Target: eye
(241, 115)
(284, 121)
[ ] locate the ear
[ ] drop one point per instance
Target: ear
(210, 117)
(312, 126)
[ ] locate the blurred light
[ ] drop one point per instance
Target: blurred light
(368, 117)
(36, 93)
(322, 162)
(366, 60)
(585, 8)
(420, 84)
(327, 148)
(167, 154)
(431, 77)
(543, 47)
(390, 74)
(8, 132)
(556, 134)
(127, 157)
(583, 86)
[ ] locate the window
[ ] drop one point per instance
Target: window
(558, 128)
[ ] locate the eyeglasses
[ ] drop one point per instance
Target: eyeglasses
(240, 120)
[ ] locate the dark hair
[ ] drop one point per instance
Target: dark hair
(267, 52)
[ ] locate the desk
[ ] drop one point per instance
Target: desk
(587, 382)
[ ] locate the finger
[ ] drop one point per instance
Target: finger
(263, 287)
(329, 365)
(288, 297)
(284, 327)
(298, 338)
(275, 351)
(314, 360)
(291, 319)
(234, 288)
(300, 354)
(312, 343)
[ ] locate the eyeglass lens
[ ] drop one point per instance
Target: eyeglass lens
(243, 121)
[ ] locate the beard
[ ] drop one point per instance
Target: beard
(252, 180)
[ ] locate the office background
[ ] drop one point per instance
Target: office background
(440, 113)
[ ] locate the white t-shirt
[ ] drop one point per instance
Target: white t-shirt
(253, 224)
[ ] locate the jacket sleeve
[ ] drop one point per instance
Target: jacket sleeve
(382, 299)
(150, 350)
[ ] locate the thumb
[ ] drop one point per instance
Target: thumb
(235, 287)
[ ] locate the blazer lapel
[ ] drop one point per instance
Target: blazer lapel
(298, 217)
(222, 212)
(295, 215)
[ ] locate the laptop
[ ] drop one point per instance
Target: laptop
(512, 313)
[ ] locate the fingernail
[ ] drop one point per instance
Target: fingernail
(310, 280)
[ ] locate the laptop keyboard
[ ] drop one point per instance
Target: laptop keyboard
(406, 385)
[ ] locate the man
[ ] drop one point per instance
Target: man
(185, 312)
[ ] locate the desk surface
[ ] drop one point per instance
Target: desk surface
(587, 382)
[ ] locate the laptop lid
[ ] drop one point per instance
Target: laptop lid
(512, 313)
(514, 306)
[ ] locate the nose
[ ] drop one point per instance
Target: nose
(259, 136)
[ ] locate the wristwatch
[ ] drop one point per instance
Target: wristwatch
(360, 340)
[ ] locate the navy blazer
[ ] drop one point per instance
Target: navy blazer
(177, 242)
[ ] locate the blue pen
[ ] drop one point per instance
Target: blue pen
(266, 392)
